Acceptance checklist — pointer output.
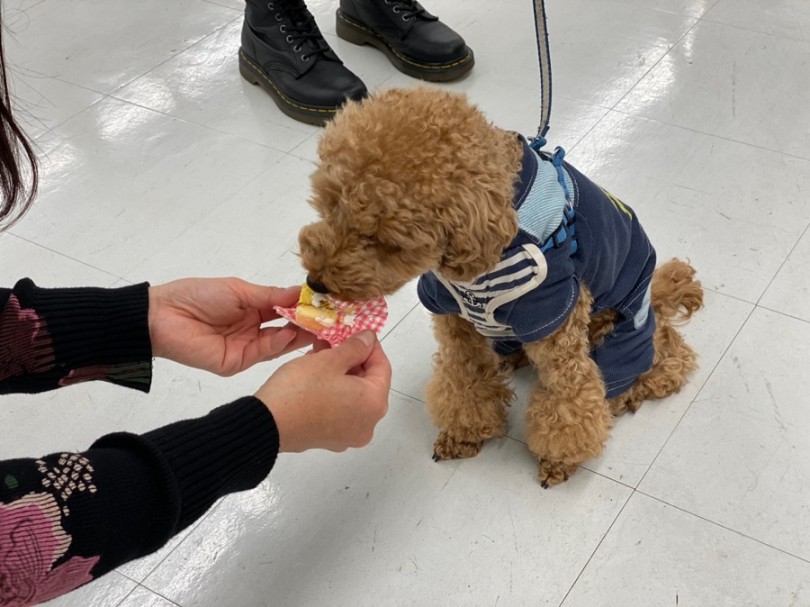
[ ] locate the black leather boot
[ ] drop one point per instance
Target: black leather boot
(284, 52)
(415, 41)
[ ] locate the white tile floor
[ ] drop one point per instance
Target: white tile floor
(160, 162)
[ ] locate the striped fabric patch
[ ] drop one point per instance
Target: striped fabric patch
(515, 275)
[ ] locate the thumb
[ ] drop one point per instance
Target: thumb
(354, 351)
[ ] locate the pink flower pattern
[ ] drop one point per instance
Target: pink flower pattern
(25, 344)
(31, 541)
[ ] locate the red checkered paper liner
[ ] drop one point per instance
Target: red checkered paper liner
(367, 314)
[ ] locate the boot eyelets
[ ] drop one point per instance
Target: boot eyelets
(278, 17)
(305, 57)
(396, 9)
(297, 48)
(289, 39)
(406, 18)
(282, 28)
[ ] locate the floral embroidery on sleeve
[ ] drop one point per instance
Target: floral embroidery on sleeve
(25, 343)
(33, 539)
(72, 472)
(132, 373)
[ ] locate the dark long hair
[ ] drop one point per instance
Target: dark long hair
(18, 165)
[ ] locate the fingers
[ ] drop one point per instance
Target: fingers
(319, 346)
(264, 299)
(274, 342)
(302, 338)
(351, 353)
(377, 366)
(340, 411)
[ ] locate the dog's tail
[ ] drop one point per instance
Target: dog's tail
(676, 295)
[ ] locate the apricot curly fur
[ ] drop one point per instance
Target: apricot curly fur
(468, 412)
(567, 420)
(413, 180)
(409, 180)
(676, 295)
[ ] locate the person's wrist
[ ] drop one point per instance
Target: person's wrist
(153, 320)
(287, 424)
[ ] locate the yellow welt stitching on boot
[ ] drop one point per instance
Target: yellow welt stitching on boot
(261, 73)
(399, 55)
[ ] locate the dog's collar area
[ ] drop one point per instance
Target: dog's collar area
(544, 201)
(531, 151)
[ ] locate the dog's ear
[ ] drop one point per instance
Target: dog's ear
(417, 240)
(476, 235)
(368, 201)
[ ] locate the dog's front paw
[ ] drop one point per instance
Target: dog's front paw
(554, 473)
(447, 447)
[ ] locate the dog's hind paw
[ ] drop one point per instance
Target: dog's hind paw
(447, 447)
(554, 473)
(630, 401)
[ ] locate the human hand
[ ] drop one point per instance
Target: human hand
(330, 399)
(215, 323)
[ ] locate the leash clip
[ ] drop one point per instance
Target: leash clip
(538, 141)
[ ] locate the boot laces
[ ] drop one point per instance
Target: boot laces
(299, 25)
(407, 8)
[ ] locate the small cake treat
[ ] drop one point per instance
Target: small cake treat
(334, 320)
(315, 311)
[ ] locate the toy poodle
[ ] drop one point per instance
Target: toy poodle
(521, 258)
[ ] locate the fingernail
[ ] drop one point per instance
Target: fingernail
(367, 337)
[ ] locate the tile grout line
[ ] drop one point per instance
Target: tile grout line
(400, 321)
(749, 30)
(211, 128)
(642, 77)
(128, 594)
(137, 586)
(697, 395)
(660, 59)
(720, 525)
(707, 134)
(598, 545)
(785, 314)
(60, 254)
(190, 532)
(782, 265)
(172, 56)
(614, 107)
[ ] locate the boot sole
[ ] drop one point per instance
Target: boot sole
(317, 116)
(358, 33)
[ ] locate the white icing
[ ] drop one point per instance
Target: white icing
(325, 321)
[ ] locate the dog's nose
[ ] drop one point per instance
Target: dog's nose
(316, 285)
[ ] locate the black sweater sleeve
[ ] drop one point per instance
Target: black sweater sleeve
(83, 514)
(67, 518)
(56, 337)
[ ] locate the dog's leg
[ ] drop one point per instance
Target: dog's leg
(567, 420)
(468, 393)
(676, 295)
